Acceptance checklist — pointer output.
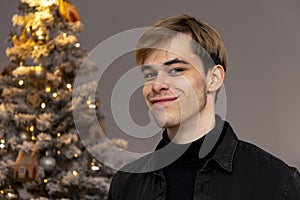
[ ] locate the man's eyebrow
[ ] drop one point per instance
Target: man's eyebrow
(167, 63)
(175, 61)
(145, 67)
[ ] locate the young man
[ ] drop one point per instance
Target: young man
(183, 61)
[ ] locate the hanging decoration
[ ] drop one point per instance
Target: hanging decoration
(47, 162)
(37, 76)
(68, 11)
(33, 99)
(26, 166)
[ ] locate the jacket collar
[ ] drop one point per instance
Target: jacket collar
(225, 152)
(226, 146)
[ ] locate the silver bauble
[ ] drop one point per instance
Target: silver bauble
(48, 163)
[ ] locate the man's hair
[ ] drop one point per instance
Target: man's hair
(209, 47)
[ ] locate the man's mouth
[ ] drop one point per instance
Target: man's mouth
(163, 100)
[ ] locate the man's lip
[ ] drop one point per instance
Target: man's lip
(162, 100)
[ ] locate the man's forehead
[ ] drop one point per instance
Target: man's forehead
(178, 47)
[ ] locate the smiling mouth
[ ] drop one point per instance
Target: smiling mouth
(163, 100)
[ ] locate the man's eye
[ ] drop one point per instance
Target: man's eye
(149, 76)
(175, 71)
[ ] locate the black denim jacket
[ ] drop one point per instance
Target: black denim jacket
(237, 171)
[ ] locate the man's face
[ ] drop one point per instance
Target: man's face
(174, 88)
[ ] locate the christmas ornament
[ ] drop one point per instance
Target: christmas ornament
(26, 166)
(48, 163)
(10, 194)
(24, 135)
(33, 98)
(37, 76)
(68, 11)
(40, 35)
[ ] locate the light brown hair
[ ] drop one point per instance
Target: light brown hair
(165, 29)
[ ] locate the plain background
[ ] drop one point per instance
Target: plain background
(262, 40)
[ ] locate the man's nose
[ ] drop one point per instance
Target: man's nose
(160, 83)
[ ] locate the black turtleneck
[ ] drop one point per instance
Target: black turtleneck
(180, 175)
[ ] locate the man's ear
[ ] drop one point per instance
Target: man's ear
(215, 78)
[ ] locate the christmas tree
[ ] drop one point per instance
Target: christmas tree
(41, 153)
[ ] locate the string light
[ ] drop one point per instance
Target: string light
(35, 47)
(2, 144)
(31, 128)
(75, 173)
(21, 82)
(69, 86)
(48, 89)
(75, 155)
(54, 94)
(77, 45)
(43, 105)
(58, 134)
(33, 137)
(58, 152)
(95, 168)
(45, 180)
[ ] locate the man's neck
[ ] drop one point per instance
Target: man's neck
(192, 129)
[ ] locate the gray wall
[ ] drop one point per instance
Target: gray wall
(262, 39)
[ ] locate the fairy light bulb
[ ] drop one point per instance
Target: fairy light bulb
(31, 128)
(77, 45)
(75, 173)
(43, 105)
(21, 82)
(48, 89)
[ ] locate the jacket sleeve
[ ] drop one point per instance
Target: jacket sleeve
(292, 188)
(111, 190)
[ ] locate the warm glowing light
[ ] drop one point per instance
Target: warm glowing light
(33, 137)
(45, 180)
(69, 86)
(58, 134)
(1, 191)
(35, 47)
(95, 168)
(2, 141)
(64, 35)
(10, 195)
(2, 146)
(54, 94)
(31, 128)
(75, 173)
(77, 45)
(75, 155)
(21, 82)
(48, 89)
(43, 105)
(58, 152)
